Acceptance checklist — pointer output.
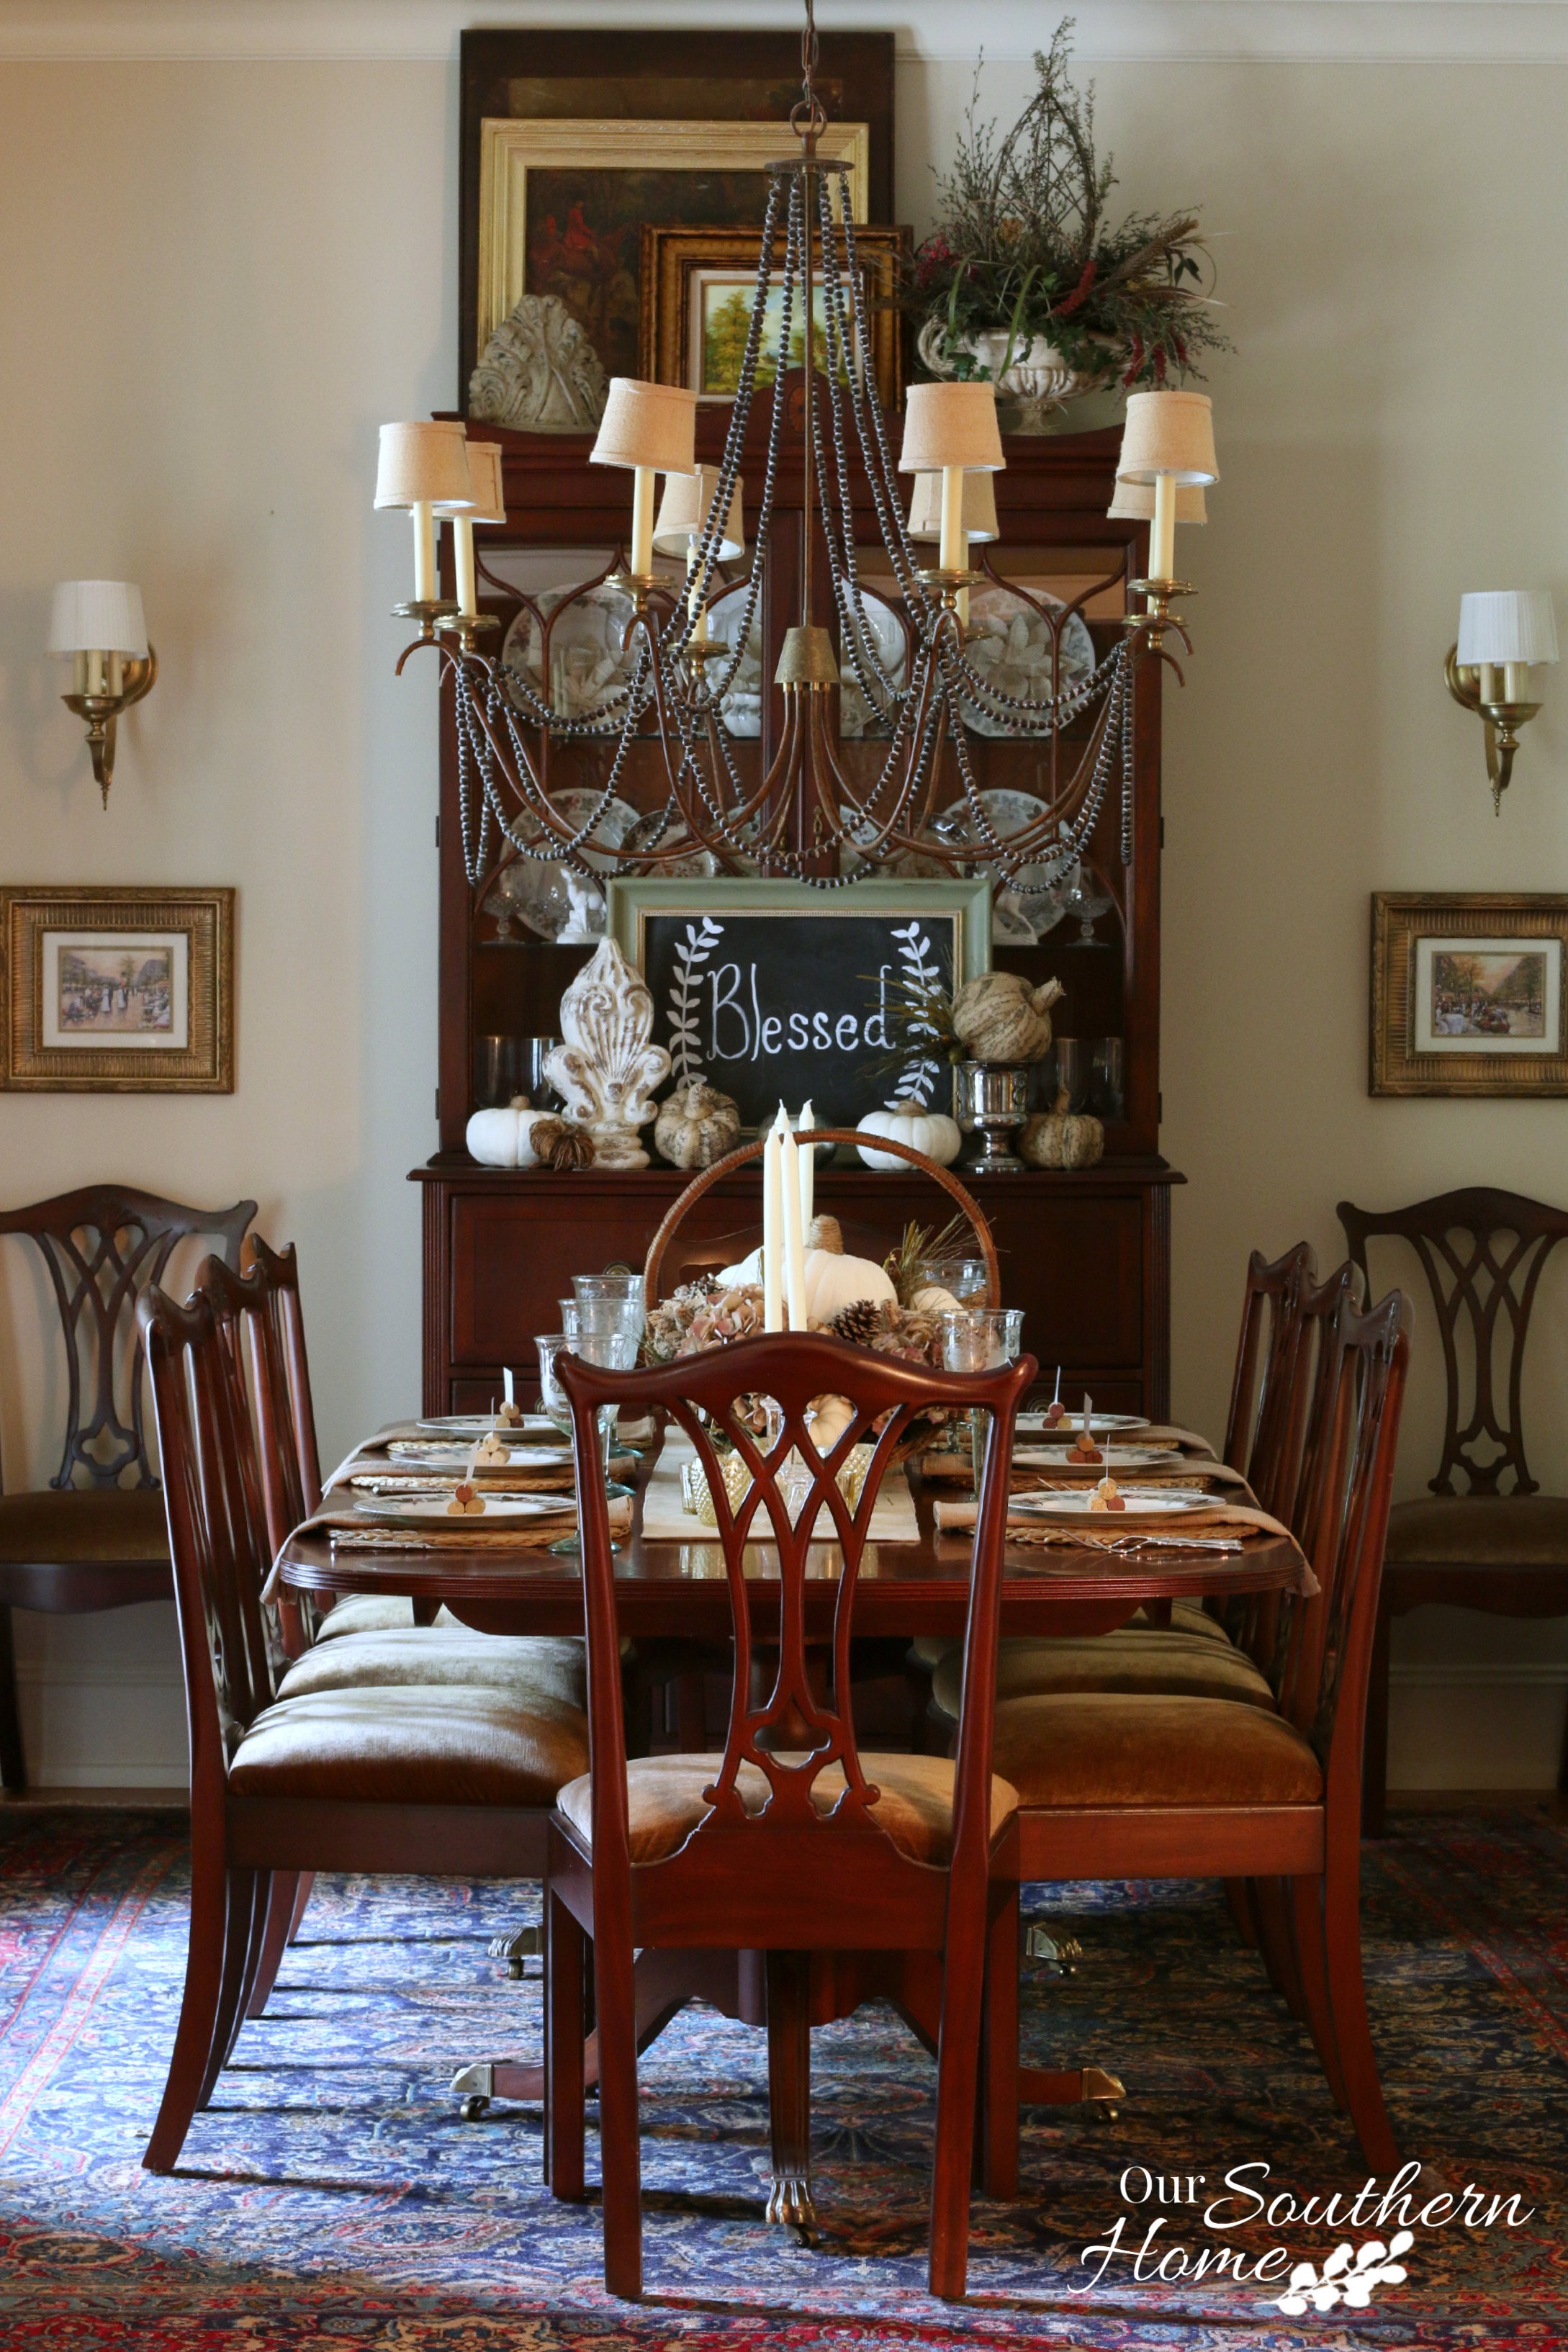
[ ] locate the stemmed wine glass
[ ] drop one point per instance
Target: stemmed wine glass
(980, 1339)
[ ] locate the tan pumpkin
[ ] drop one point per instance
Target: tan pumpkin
(696, 1125)
(998, 1017)
(1062, 1139)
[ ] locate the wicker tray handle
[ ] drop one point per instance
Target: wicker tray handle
(678, 1209)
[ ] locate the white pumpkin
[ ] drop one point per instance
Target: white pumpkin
(923, 1130)
(833, 1280)
(504, 1138)
(934, 1300)
(829, 1422)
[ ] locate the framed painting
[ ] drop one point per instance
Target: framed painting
(774, 991)
(562, 206)
(1469, 993)
(698, 290)
(551, 74)
(118, 990)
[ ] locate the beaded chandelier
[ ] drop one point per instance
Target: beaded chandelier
(810, 816)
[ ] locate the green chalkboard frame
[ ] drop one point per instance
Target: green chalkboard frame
(632, 902)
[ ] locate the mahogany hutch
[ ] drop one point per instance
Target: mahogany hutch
(1086, 1254)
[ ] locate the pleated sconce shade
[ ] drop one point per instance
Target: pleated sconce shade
(1506, 625)
(684, 509)
(951, 425)
(423, 463)
(98, 616)
(979, 507)
(1134, 502)
(1168, 433)
(648, 425)
(486, 501)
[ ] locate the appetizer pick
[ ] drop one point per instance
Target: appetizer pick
(467, 1502)
(488, 1449)
(1086, 1449)
(1056, 1411)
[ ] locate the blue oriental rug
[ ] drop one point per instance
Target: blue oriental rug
(332, 2200)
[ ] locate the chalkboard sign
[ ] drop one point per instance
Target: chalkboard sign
(775, 992)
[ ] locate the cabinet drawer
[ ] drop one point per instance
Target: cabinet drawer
(511, 1264)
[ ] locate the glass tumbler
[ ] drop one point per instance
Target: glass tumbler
(980, 1339)
(608, 1334)
(963, 1278)
(618, 1284)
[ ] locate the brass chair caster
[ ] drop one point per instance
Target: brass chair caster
(528, 1944)
(474, 2086)
(473, 2109)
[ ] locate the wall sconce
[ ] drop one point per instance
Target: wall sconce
(98, 625)
(1501, 633)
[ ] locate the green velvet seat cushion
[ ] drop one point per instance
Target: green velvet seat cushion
(1133, 1658)
(1105, 1749)
(528, 1669)
(448, 1744)
(665, 1800)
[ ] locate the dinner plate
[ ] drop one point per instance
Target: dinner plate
(1142, 1503)
(1102, 1425)
(459, 1425)
(448, 1458)
(499, 1511)
(1119, 1458)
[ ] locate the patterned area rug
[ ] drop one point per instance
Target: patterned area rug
(331, 2199)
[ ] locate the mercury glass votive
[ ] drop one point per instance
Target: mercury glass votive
(995, 1101)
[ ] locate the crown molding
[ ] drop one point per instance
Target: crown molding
(1323, 32)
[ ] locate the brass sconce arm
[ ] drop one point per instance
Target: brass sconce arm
(138, 677)
(1500, 720)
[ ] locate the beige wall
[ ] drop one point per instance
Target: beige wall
(216, 279)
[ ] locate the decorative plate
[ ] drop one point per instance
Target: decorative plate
(446, 1458)
(741, 707)
(1142, 1503)
(1010, 649)
(857, 715)
(457, 1425)
(589, 663)
(1118, 1458)
(538, 893)
(500, 1510)
(1100, 1423)
(1017, 919)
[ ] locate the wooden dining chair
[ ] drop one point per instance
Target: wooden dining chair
(791, 1842)
(1116, 1785)
(91, 1540)
(433, 1778)
(1497, 1544)
(258, 1316)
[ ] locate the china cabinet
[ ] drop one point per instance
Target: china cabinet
(1085, 1254)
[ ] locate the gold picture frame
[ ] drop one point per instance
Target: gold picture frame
(1469, 994)
(117, 991)
(685, 269)
(511, 148)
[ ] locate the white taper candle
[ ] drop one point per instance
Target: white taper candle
(772, 1233)
(807, 1174)
(794, 1244)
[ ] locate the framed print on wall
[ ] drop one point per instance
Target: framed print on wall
(1468, 993)
(117, 991)
(552, 74)
(562, 206)
(699, 287)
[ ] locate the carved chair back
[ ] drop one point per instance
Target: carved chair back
(1482, 1252)
(103, 1245)
(703, 1394)
(258, 1313)
(217, 1528)
(1256, 1428)
(1327, 1640)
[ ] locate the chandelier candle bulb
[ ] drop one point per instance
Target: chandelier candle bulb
(954, 550)
(1163, 536)
(642, 522)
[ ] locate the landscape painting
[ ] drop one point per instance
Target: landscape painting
(1487, 995)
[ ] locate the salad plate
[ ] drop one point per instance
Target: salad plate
(1116, 1458)
(1142, 1503)
(499, 1511)
(1102, 1425)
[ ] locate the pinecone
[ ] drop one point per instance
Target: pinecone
(859, 1322)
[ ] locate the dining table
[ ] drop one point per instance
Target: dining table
(671, 1584)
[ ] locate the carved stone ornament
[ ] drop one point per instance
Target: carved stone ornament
(539, 373)
(606, 1066)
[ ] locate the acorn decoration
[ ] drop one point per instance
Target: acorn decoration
(562, 1144)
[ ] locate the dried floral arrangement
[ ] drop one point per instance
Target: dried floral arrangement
(1024, 247)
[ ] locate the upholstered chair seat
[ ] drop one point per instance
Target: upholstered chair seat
(1481, 1531)
(445, 1743)
(1070, 1750)
(529, 1670)
(666, 1802)
(1136, 1658)
(376, 1612)
(100, 1524)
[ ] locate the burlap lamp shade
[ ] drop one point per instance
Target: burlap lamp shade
(1134, 502)
(951, 425)
(486, 501)
(423, 464)
(651, 425)
(979, 507)
(684, 509)
(1168, 433)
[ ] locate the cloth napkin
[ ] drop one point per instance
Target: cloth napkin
(666, 1518)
